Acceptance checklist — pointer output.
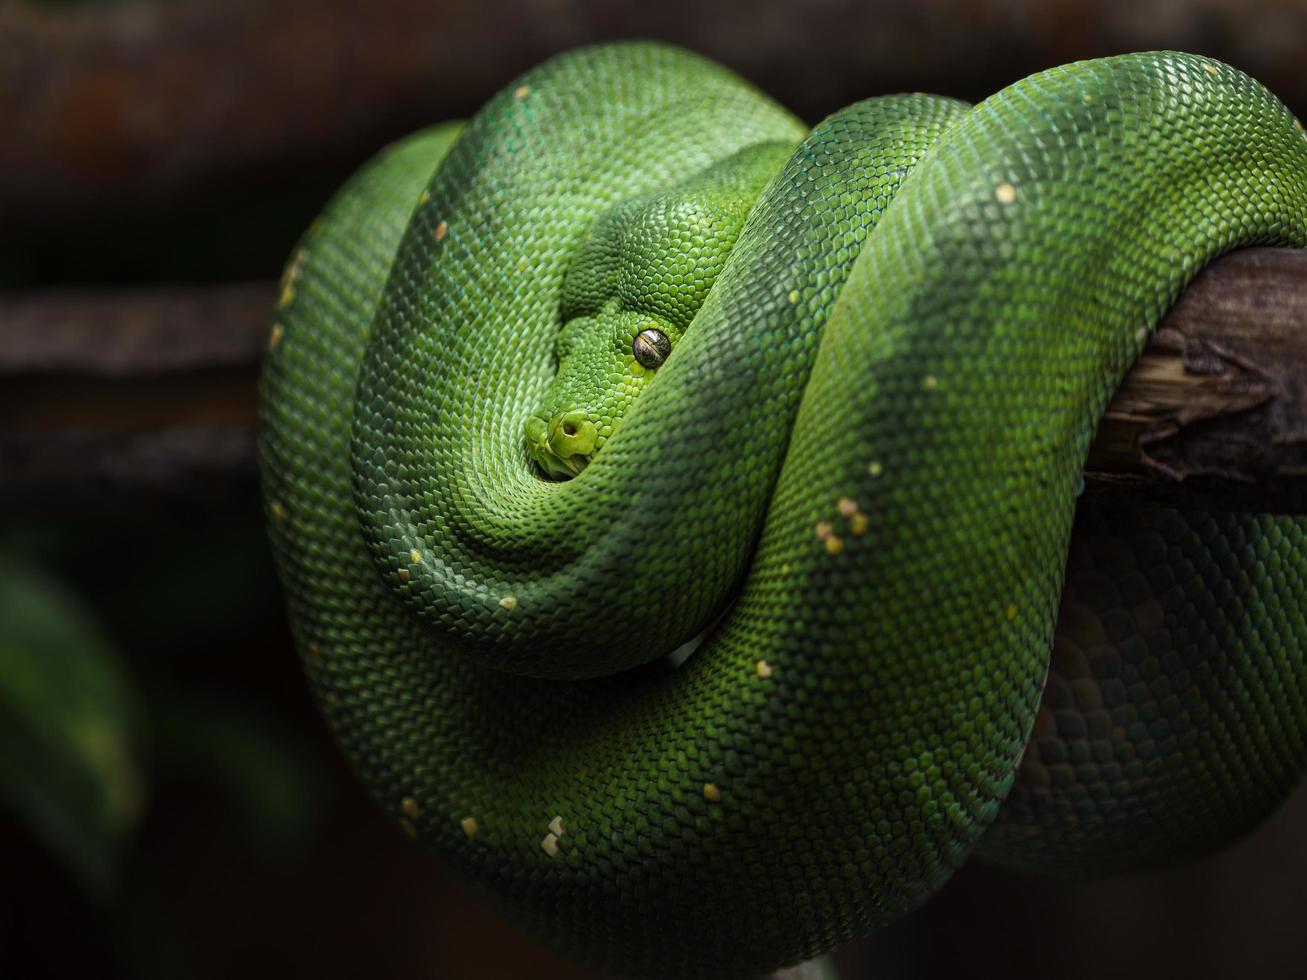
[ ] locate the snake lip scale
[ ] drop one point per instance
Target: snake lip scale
(634, 357)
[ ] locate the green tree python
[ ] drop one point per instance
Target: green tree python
(636, 358)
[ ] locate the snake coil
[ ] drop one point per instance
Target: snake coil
(869, 359)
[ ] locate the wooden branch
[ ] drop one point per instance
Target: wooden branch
(1215, 410)
(149, 396)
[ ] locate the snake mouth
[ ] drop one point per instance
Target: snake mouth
(562, 445)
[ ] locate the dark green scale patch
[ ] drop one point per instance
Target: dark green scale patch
(1175, 713)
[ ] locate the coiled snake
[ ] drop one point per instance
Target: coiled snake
(869, 359)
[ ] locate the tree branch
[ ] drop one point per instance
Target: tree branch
(150, 395)
(1215, 410)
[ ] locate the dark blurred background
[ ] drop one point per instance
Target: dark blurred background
(170, 803)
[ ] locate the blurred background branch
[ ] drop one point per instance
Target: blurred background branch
(156, 395)
(130, 125)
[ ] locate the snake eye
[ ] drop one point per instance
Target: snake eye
(651, 347)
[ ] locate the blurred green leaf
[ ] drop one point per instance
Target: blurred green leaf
(264, 767)
(70, 727)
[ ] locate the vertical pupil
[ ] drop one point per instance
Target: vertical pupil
(651, 347)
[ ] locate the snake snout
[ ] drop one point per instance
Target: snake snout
(564, 444)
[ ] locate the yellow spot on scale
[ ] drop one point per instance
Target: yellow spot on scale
(277, 511)
(1005, 193)
(1087, 98)
(410, 807)
(794, 295)
(290, 276)
(470, 826)
(1211, 69)
(556, 826)
(404, 575)
(423, 198)
(1141, 335)
(415, 556)
(834, 544)
(875, 468)
(508, 602)
(858, 523)
(409, 828)
(442, 230)
(550, 844)
(522, 91)
(930, 382)
(822, 529)
(275, 335)
(712, 792)
(763, 668)
(847, 506)
(1012, 611)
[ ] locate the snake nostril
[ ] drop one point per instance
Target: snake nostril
(569, 429)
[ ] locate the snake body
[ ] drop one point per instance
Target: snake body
(854, 476)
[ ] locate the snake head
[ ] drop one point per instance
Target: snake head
(633, 285)
(604, 363)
